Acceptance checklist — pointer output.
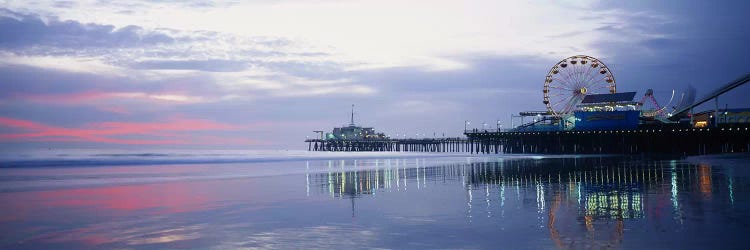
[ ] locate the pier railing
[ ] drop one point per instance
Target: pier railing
(486, 130)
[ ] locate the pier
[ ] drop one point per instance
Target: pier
(682, 141)
(397, 145)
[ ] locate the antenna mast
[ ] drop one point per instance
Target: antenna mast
(352, 122)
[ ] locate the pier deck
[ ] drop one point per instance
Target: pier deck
(685, 141)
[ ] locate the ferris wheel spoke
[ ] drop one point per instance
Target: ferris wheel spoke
(565, 73)
(566, 108)
(558, 102)
(563, 77)
(568, 104)
(589, 75)
(580, 77)
(581, 73)
(563, 82)
(591, 79)
(570, 72)
(574, 101)
(603, 79)
(569, 82)
(561, 88)
(573, 75)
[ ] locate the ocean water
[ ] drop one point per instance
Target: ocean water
(128, 199)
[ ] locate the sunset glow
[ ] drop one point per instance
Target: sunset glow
(95, 72)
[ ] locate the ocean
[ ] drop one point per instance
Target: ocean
(236, 199)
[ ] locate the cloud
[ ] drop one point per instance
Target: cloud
(98, 97)
(277, 60)
(307, 61)
(115, 109)
(421, 34)
(90, 65)
(20, 31)
(64, 4)
(112, 132)
(202, 65)
(235, 66)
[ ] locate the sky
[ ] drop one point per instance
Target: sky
(264, 74)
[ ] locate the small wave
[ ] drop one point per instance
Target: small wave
(91, 159)
(132, 155)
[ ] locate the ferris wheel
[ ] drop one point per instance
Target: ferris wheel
(571, 79)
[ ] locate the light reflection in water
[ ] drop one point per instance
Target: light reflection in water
(473, 202)
(599, 194)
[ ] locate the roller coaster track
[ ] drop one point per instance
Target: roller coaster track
(723, 89)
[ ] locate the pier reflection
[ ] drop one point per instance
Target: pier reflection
(344, 178)
(583, 202)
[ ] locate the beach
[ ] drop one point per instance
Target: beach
(394, 200)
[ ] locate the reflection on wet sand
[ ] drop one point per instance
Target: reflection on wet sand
(389, 175)
(586, 201)
(532, 202)
(152, 202)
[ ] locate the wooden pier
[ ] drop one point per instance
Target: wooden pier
(397, 145)
(682, 141)
(685, 141)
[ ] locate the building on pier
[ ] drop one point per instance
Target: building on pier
(607, 111)
(727, 117)
(595, 112)
(353, 132)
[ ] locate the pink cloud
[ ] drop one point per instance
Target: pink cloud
(163, 132)
(175, 124)
(115, 109)
(94, 97)
(61, 98)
